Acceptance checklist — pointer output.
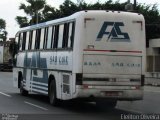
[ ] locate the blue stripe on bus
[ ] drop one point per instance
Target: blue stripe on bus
(40, 85)
(36, 62)
(44, 78)
(39, 89)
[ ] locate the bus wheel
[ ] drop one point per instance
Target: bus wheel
(52, 94)
(22, 90)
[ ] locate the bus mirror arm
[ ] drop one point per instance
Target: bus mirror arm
(14, 62)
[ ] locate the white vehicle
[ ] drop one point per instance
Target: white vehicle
(99, 55)
(5, 56)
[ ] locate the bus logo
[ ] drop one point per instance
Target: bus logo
(113, 32)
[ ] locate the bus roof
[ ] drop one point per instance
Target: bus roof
(76, 15)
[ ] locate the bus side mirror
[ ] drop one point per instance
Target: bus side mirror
(14, 62)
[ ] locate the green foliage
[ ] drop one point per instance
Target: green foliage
(3, 32)
(22, 21)
(2, 24)
(34, 7)
(39, 11)
(68, 8)
(150, 13)
(49, 13)
(152, 21)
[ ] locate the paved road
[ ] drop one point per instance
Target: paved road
(33, 107)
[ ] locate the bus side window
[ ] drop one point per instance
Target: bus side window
(20, 41)
(65, 35)
(30, 40)
(17, 40)
(52, 39)
(33, 40)
(38, 34)
(42, 38)
(55, 43)
(49, 37)
(27, 40)
(45, 38)
(14, 49)
(24, 41)
(60, 36)
(71, 34)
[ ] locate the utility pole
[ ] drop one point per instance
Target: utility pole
(135, 4)
(36, 16)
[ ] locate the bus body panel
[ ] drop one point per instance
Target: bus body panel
(101, 64)
(39, 66)
(113, 53)
(118, 34)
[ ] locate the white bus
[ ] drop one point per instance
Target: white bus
(96, 55)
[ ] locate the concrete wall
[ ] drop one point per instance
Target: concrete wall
(154, 43)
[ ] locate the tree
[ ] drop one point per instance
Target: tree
(152, 21)
(68, 8)
(22, 21)
(33, 9)
(3, 32)
(49, 13)
(37, 11)
(151, 13)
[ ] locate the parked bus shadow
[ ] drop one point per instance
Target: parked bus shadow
(80, 106)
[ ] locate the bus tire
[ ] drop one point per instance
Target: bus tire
(22, 90)
(52, 94)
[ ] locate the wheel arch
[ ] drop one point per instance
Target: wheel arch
(19, 78)
(51, 78)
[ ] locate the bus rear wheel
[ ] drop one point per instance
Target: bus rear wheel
(52, 94)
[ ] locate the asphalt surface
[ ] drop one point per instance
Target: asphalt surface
(37, 107)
